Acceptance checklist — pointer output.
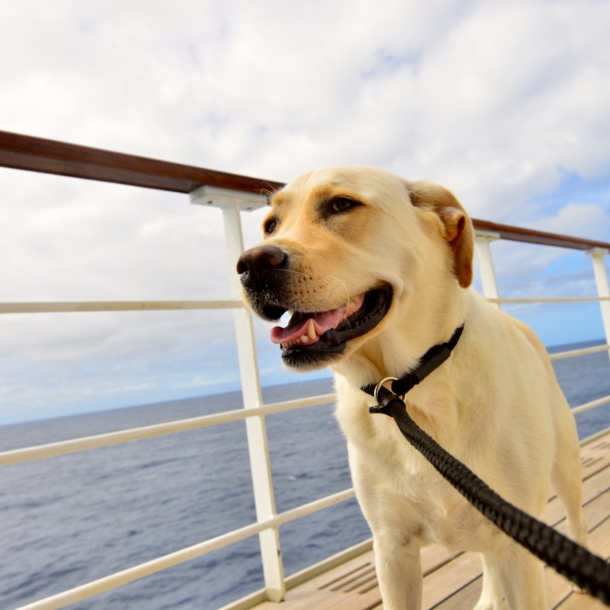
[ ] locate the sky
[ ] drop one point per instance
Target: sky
(504, 102)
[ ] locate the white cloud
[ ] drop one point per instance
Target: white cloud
(498, 101)
(528, 270)
(201, 381)
(579, 219)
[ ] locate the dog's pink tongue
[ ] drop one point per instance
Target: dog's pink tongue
(299, 323)
(298, 327)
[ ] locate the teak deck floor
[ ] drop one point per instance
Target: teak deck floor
(453, 582)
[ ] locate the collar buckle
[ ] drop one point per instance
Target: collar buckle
(380, 384)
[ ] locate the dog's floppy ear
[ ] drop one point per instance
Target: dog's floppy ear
(456, 227)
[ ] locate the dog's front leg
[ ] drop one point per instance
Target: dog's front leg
(520, 576)
(399, 573)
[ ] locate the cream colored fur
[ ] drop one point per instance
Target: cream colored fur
(495, 404)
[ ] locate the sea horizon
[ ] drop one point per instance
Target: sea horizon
(229, 397)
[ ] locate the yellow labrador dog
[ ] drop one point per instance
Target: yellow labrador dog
(376, 270)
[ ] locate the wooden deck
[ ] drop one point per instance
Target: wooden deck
(453, 582)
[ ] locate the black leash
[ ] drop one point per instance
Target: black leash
(588, 571)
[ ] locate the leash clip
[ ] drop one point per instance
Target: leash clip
(385, 408)
(378, 387)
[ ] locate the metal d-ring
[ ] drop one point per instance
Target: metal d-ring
(381, 383)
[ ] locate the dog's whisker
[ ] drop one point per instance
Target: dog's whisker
(292, 271)
(347, 295)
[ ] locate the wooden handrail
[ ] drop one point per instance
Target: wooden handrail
(51, 157)
(538, 237)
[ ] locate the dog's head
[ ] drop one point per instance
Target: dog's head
(344, 250)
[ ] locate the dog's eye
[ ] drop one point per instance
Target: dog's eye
(340, 204)
(269, 226)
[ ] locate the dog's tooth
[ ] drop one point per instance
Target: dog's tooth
(311, 330)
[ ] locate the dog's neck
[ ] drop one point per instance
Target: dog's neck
(410, 331)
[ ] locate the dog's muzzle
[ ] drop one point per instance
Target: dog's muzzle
(263, 274)
(312, 339)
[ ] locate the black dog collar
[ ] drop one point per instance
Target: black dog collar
(430, 361)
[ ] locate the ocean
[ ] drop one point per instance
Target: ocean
(71, 519)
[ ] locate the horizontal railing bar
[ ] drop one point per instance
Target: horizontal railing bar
(167, 561)
(80, 306)
(547, 299)
(92, 306)
(594, 436)
(541, 238)
(60, 158)
(579, 352)
(28, 454)
(122, 436)
(591, 405)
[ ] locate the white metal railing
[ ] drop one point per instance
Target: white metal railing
(268, 521)
(161, 563)
(548, 299)
(591, 405)
(134, 434)
(82, 306)
(579, 352)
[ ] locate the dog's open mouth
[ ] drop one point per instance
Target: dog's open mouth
(312, 337)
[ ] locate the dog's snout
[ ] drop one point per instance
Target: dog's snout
(257, 264)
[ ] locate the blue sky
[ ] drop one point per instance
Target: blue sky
(505, 103)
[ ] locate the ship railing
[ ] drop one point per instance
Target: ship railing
(235, 194)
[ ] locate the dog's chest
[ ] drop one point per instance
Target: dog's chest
(396, 484)
(415, 499)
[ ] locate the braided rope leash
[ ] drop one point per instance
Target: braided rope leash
(588, 571)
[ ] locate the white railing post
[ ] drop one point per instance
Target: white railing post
(264, 498)
(603, 290)
(482, 239)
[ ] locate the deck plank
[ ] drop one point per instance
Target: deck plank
(558, 588)
(453, 581)
(554, 511)
(442, 583)
(463, 598)
(599, 543)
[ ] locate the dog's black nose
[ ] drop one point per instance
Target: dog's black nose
(256, 266)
